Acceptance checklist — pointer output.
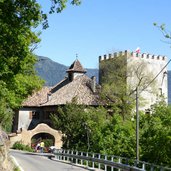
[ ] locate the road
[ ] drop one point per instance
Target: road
(34, 162)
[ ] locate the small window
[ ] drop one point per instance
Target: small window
(34, 115)
(70, 76)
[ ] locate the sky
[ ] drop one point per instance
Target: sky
(99, 27)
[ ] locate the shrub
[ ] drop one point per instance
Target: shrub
(16, 169)
(19, 146)
(48, 142)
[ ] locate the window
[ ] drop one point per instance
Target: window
(34, 115)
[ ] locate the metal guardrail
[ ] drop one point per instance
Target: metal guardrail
(105, 162)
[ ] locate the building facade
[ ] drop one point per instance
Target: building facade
(144, 71)
(33, 119)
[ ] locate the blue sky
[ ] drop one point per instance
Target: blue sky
(99, 27)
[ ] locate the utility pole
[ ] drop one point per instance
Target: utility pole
(137, 126)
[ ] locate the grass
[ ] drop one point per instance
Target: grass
(16, 169)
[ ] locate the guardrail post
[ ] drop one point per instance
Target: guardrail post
(81, 159)
(72, 157)
(119, 161)
(57, 155)
(76, 161)
(105, 164)
(143, 166)
(93, 161)
(68, 157)
(63, 157)
(99, 165)
(60, 155)
(87, 160)
(112, 161)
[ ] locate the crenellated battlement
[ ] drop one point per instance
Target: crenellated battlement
(132, 54)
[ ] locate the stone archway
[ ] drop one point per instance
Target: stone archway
(26, 135)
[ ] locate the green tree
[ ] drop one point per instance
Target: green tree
(59, 5)
(18, 78)
(93, 129)
(71, 122)
(120, 76)
(113, 80)
(77, 123)
(118, 137)
(155, 138)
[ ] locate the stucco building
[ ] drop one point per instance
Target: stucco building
(33, 121)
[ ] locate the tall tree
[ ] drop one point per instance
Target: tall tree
(80, 124)
(18, 78)
(155, 138)
(113, 80)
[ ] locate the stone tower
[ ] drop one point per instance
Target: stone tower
(150, 68)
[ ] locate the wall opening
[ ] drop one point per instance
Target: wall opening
(48, 139)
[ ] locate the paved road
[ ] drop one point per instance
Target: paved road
(34, 162)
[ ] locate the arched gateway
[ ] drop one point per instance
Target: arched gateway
(26, 135)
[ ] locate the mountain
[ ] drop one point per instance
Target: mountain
(53, 72)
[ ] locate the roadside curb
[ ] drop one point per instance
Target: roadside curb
(34, 153)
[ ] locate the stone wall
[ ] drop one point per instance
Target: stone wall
(5, 162)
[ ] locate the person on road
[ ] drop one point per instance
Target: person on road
(42, 145)
(37, 148)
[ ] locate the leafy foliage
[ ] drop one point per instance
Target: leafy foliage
(120, 77)
(164, 31)
(59, 5)
(93, 129)
(77, 125)
(96, 130)
(19, 146)
(156, 135)
(17, 40)
(119, 137)
(114, 85)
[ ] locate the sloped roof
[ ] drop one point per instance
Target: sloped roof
(37, 98)
(65, 91)
(76, 67)
(79, 88)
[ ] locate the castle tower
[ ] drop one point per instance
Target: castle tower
(146, 70)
